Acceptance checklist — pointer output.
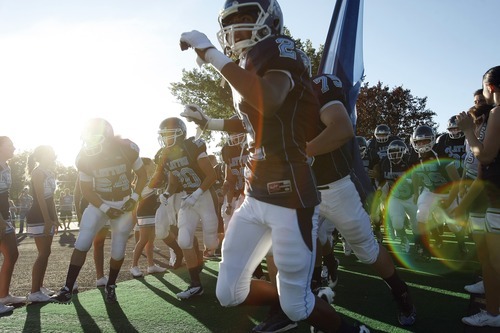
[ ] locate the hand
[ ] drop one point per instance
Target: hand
(206, 51)
(164, 198)
(191, 199)
(196, 40)
(194, 113)
(464, 121)
(229, 210)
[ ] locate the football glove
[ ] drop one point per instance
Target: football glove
(206, 51)
(194, 113)
(191, 199)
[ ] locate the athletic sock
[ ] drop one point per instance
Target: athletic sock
(73, 272)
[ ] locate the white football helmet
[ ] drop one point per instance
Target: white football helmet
(172, 131)
(268, 21)
(382, 133)
(95, 132)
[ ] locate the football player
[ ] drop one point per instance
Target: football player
(166, 214)
(429, 188)
(333, 169)
(377, 149)
(452, 144)
(189, 168)
(398, 200)
(273, 98)
(8, 242)
(106, 165)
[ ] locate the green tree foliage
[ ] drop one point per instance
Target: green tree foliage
(395, 107)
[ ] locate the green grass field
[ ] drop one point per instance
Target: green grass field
(149, 304)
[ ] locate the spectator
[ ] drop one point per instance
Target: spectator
(25, 201)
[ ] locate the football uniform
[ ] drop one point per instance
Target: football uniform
(5, 184)
(235, 158)
(280, 192)
(110, 172)
(34, 218)
(433, 182)
(182, 161)
(333, 174)
(447, 147)
(400, 198)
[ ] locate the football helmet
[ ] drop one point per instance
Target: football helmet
(268, 21)
(423, 139)
(236, 139)
(95, 132)
(382, 133)
(453, 131)
(396, 150)
(172, 131)
(363, 145)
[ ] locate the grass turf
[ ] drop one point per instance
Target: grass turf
(149, 304)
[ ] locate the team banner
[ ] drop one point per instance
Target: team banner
(343, 57)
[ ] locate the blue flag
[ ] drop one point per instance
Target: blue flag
(343, 57)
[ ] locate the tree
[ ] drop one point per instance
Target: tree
(396, 107)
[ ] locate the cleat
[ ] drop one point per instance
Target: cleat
(136, 272)
(407, 313)
(110, 294)
(63, 295)
(102, 282)
(277, 322)
(39, 297)
(482, 318)
(156, 269)
(190, 292)
(476, 288)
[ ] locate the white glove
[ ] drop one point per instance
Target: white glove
(200, 42)
(164, 198)
(196, 40)
(194, 113)
(191, 199)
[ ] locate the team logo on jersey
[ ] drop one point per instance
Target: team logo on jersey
(279, 187)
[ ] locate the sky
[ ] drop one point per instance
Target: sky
(62, 62)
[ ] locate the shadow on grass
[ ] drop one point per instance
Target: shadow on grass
(87, 323)
(204, 307)
(33, 317)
